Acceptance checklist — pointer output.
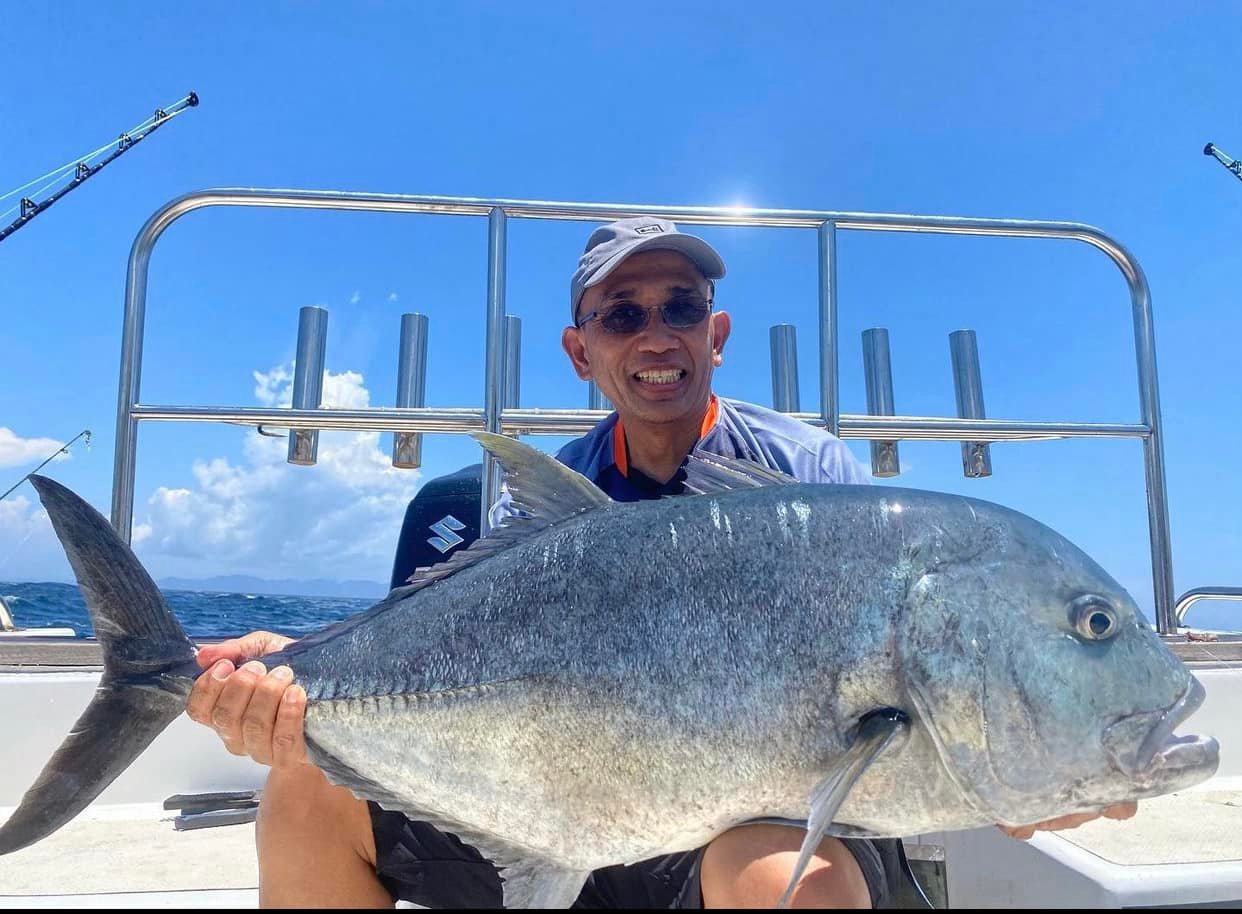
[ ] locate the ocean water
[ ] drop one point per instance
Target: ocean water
(202, 614)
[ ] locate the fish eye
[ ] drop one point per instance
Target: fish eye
(1094, 618)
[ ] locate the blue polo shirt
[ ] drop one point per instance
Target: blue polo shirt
(732, 428)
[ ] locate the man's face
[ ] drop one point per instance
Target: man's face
(659, 374)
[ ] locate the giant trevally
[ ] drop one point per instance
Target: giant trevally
(600, 683)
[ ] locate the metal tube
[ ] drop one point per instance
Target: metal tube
(407, 447)
(1153, 449)
(596, 398)
(829, 407)
(823, 220)
(968, 387)
(513, 362)
(308, 380)
(784, 340)
(374, 418)
(826, 222)
(494, 374)
(576, 421)
(126, 447)
(878, 370)
(1191, 597)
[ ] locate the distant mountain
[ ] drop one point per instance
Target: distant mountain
(241, 583)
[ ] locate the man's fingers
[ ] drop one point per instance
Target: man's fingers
(1021, 832)
(288, 746)
(1025, 832)
(225, 650)
(1121, 810)
(206, 691)
(230, 706)
(255, 644)
(260, 643)
(259, 718)
(1071, 821)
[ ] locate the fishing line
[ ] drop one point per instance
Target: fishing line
(63, 449)
(30, 207)
(13, 209)
(69, 166)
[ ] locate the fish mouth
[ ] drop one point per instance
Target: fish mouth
(1161, 756)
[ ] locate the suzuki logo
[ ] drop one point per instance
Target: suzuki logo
(447, 538)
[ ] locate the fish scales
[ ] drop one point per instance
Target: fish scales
(599, 683)
(653, 678)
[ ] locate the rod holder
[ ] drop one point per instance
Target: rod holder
(879, 373)
(968, 385)
(596, 398)
(308, 381)
(784, 339)
(513, 362)
(407, 447)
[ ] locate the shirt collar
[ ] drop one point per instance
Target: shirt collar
(620, 450)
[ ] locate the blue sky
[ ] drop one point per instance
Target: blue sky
(1093, 113)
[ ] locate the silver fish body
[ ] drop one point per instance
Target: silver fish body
(599, 683)
(641, 678)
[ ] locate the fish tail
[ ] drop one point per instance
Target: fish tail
(143, 688)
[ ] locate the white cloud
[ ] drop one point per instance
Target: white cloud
(15, 451)
(271, 386)
(392, 296)
(263, 516)
(29, 550)
(356, 297)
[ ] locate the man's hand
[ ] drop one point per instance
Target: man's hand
(1024, 832)
(255, 712)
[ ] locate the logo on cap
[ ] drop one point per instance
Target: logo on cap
(647, 229)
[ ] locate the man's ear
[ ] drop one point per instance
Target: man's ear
(575, 347)
(721, 325)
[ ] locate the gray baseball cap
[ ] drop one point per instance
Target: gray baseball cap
(610, 244)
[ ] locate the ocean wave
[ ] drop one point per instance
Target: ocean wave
(202, 615)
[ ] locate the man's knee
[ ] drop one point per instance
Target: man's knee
(750, 866)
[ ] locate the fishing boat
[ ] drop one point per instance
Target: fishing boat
(145, 842)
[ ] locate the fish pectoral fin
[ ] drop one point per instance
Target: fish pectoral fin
(535, 883)
(876, 731)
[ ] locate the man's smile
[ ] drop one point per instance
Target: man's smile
(660, 376)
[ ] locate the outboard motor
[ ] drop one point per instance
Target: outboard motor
(442, 518)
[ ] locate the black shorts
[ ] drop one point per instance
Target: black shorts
(417, 862)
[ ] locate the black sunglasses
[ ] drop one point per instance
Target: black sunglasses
(627, 317)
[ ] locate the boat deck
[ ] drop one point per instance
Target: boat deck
(130, 855)
(133, 850)
(1203, 826)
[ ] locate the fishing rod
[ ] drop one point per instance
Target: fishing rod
(1232, 164)
(63, 449)
(30, 207)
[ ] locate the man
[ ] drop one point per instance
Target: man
(643, 327)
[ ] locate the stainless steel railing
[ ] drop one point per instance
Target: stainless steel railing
(1191, 597)
(494, 417)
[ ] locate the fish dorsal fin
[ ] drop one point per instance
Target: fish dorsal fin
(542, 488)
(710, 473)
(539, 484)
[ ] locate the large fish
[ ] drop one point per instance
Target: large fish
(599, 683)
